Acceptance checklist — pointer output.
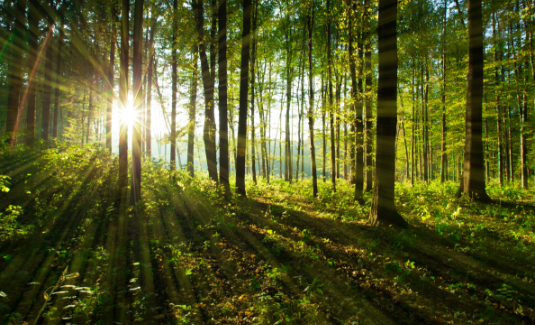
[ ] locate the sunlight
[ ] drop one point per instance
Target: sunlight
(128, 114)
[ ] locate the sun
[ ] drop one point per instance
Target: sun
(128, 114)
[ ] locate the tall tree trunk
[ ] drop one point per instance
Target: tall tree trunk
(223, 111)
(174, 81)
(244, 85)
(15, 70)
(192, 112)
(123, 95)
(443, 155)
(331, 106)
(498, 105)
(324, 142)
(358, 95)
(33, 22)
(209, 130)
(148, 126)
(368, 140)
(111, 74)
(425, 123)
(90, 106)
(58, 79)
(310, 27)
(473, 171)
(253, 62)
(138, 102)
(383, 209)
(47, 86)
(288, 147)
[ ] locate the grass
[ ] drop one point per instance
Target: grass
(278, 257)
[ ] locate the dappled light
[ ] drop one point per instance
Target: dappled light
(265, 162)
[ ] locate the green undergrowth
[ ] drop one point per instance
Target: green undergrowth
(71, 252)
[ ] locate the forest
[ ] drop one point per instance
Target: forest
(267, 162)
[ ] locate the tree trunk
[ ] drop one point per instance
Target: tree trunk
(138, 102)
(123, 94)
(209, 130)
(33, 33)
(358, 96)
(58, 79)
(110, 84)
(383, 209)
(288, 146)
(244, 85)
(443, 155)
(331, 106)
(192, 112)
(473, 172)
(253, 62)
(310, 25)
(148, 126)
(368, 140)
(174, 81)
(47, 86)
(223, 111)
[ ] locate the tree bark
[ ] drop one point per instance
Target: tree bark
(223, 110)
(310, 27)
(174, 81)
(192, 116)
(209, 130)
(253, 62)
(368, 140)
(331, 106)
(138, 102)
(244, 85)
(383, 209)
(123, 95)
(111, 74)
(47, 86)
(33, 22)
(148, 125)
(473, 171)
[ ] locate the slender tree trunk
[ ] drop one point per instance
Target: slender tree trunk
(33, 22)
(310, 25)
(123, 95)
(288, 146)
(90, 106)
(244, 85)
(510, 145)
(443, 156)
(111, 74)
(368, 140)
(473, 173)
(15, 71)
(47, 86)
(331, 106)
(223, 110)
(324, 142)
(138, 102)
(174, 81)
(148, 126)
(253, 62)
(383, 209)
(192, 118)
(58, 79)
(358, 99)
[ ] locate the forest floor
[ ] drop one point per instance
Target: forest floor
(70, 254)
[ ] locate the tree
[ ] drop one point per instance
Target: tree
(310, 27)
(123, 95)
(223, 111)
(174, 81)
(111, 74)
(33, 33)
(383, 209)
(244, 89)
(138, 101)
(473, 183)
